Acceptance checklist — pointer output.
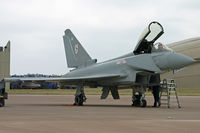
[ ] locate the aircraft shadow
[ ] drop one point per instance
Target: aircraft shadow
(85, 105)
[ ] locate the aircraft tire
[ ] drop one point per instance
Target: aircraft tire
(136, 103)
(2, 102)
(143, 103)
(79, 100)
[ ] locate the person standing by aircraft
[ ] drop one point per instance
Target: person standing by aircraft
(156, 92)
(155, 88)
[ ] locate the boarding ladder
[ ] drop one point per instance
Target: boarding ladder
(168, 89)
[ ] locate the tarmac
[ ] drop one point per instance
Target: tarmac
(56, 114)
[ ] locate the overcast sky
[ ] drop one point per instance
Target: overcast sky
(105, 28)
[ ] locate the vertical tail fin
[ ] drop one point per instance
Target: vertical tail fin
(75, 54)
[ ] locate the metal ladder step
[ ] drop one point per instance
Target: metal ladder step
(168, 90)
(172, 91)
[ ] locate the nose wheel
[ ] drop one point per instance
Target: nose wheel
(138, 102)
(143, 103)
(138, 97)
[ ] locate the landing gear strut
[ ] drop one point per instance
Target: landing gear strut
(138, 99)
(79, 96)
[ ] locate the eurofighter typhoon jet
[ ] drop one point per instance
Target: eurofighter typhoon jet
(137, 70)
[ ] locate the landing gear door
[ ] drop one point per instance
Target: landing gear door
(148, 37)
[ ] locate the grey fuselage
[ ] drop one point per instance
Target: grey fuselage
(133, 69)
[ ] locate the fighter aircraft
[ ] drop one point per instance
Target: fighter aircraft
(137, 70)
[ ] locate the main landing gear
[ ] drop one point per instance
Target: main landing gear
(79, 96)
(138, 97)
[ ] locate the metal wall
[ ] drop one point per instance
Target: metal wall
(5, 63)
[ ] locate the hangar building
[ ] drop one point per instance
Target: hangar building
(5, 63)
(188, 77)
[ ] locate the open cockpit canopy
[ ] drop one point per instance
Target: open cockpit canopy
(148, 37)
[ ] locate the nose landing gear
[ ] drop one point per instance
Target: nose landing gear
(139, 102)
(138, 99)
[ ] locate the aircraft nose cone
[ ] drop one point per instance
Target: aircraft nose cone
(177, 61)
